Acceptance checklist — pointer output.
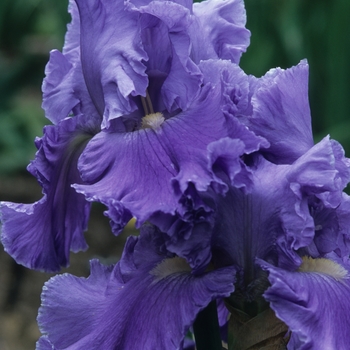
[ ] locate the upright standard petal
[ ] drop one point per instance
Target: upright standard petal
(165, 38)
(102, 73)
(313, 302)
(111, 56)
(281, 113)
(40, 235)
(148, 300)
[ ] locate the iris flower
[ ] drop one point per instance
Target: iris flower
(287, 230)
(235, 203)
(278, 235)
(132, 119)
(148, 300)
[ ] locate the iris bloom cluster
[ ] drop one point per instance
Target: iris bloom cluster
(153, 117)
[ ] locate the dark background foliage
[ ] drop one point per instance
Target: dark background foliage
(283, 33)
(29, 29)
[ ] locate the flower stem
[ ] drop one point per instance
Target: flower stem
(206, 329)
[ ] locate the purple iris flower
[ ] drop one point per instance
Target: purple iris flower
(274, 223)
(283, 214)
(149, 300)
(165, 115)
(287, 230)
(132, 118)
(153, 118)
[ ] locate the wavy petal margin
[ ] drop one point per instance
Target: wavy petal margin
(64, 88)
(219, 30)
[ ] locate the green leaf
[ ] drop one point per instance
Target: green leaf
(206, 329)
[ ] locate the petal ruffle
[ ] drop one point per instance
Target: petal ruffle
(332, 228)
(40, 235)
(313, 304)
(219, 30)
(58, 94)
(148, 300)
(64, 88)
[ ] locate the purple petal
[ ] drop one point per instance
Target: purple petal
(148, 300)
(281, 113)
(118, 214)
(44, 344)
(235, 99)
(40, 235)
(236, 94)
(64, 89)
(111, 61)
(101, 73)
(188, 234)
(313, 302)
(165, 27)
(266, 210)
(313, 176)
(227, 164)
(58, 94)
(332, 228)
(174, 154)
(219, 30)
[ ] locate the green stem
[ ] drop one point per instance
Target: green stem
(206, 329)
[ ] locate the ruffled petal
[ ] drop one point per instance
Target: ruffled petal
(111, 61)
(219, 30)
(332, 228)
(224, 159)
(40, 235)
(166, 40)
(271, 218)
(235, 85)
(266, 210)
(101, 73)
(188, 233)
(58, 94)
(156, 161)
(281, 113)
(313, 303)
(148, 300)
(64, 89)
(235, 101)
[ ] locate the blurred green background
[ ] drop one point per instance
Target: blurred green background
(29, 29)
(283, 33)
